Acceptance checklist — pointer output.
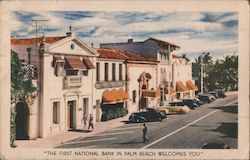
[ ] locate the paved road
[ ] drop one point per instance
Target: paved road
(214, 122)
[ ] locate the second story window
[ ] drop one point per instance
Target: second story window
(113, 72)
(120, 72)
(97, 72)
(72, 72)
(106, 72)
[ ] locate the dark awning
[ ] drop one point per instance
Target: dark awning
(88, 63)
(75, 63)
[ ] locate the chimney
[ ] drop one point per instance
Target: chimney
(130, 40)
(69, 34)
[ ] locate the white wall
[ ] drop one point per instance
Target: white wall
(134, 72)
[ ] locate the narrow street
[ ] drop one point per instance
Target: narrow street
(214, 122)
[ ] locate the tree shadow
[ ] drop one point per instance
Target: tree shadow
(229, 109)
(228, 129)
(131, 142)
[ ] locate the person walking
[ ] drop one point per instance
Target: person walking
(145, 133)
(91, 119)
(84, 120)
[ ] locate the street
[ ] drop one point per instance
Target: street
(213, 122)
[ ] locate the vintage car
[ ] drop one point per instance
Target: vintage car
(184, 103)
(174, 109)
(147, 115)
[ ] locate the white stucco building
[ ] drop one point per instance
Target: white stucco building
(172, 70)
(74, 79)
(66, 82)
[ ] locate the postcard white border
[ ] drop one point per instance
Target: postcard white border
(126, 5)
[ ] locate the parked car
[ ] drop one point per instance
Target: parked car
(221, 93)
(174, 109)
(147, 115)
(212, 97)
(199, 102)
(214, 93)
(206, 98)
(182, 103)
(191, 101)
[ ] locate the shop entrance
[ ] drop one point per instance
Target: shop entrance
(22, 121)
(71, 114)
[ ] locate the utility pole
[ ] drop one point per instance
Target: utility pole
(201, 73)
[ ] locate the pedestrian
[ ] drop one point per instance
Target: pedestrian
(145, 133)
(91, 119)
(84, 120)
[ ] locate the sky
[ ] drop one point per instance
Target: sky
(194, 32)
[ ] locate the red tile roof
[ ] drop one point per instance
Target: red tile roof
(32, 41)
(110, 54)
(116, 54)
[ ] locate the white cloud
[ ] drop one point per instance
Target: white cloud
(183, 28)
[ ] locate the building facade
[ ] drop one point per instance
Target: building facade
(75, 80)
(66, 81)
(172, 70)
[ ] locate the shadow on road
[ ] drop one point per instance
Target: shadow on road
(133, 142)
(79, 130)
(228, 129)
(230, 109)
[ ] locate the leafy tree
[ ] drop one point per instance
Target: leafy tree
(22, 89)
(218, 74)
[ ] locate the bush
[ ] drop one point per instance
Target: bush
(113, 114)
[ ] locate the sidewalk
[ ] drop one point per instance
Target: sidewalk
(56, 139)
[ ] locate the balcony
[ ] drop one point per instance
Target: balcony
(72, 81)
(109, 84)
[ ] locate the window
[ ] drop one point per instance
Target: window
(120, 72)
(134, 96)
(56, 112)
(106, 71)
(178, 95)
(97, 72)
(85, 72)
(113, 71)
(71, 72)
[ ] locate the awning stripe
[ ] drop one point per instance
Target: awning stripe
(74, 62)
(191, 85)
(114, 96)
(151, 93)
(88, 63)
(170, 90)
(180, 87)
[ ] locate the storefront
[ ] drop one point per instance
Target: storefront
(113, 104)
(150, 98)
(181, 90)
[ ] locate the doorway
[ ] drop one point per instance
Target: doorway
(22, 121)
(71, 114)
